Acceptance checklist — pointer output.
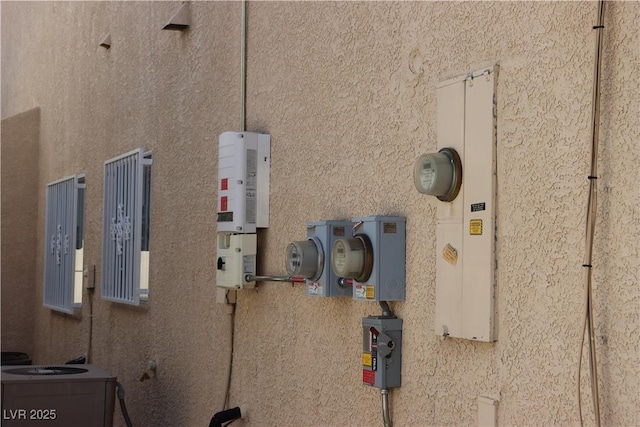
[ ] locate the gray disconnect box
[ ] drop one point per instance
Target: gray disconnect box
(387, 237)
(325, 233)
(382, 351)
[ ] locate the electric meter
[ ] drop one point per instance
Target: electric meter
(352, 258)
(305, 259)
(310, 260)
(439, 174)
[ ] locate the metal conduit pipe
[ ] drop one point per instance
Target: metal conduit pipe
(288, 279)
(386, 310)
(385, 407)
(243, 68)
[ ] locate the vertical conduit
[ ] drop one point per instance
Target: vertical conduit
(587, 327)
(243, 127)
(243, 68)
(386, 417)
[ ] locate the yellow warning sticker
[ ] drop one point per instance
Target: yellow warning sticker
(450, 254)
(475, 227)
(370, 292)
(366, 359)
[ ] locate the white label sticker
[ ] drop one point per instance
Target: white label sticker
(314, 288)
(249, 264)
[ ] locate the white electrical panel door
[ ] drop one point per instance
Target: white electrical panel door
(465, 235)
(243, 181)
(449, 254)
(478, 268)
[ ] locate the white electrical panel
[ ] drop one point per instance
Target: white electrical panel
(243, 205)
(465, 263)
(243, 181)
(236, 260)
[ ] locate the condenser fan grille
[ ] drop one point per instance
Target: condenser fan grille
(46, 370)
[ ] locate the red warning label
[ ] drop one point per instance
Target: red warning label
(224, 184)
(368, 377)
(224, 203)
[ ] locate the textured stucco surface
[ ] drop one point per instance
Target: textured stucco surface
(347, 91)
(19, 151)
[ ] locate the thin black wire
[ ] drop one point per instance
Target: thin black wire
(89, 347)
(233, 328)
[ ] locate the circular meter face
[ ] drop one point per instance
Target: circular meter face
(305, 259)
(427, 174)
(293, 258)
(439, 174)
(340, 258)
(352, 258)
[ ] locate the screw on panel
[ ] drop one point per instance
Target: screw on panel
(470, 79)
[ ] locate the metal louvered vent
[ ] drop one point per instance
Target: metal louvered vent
(125, 233)
(64, 244)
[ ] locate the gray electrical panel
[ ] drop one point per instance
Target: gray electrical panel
(311, 258)
(382, 351)
(387, 237)
(326, 232)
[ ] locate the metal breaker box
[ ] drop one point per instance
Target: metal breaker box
(382, 351)
(325, 233)
(387, 279)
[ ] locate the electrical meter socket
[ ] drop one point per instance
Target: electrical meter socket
(439, 174)
(309, 258)
(382, 351)
(374, 258)
(305, 259)
(236, 259)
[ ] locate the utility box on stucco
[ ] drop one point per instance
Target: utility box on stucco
(374, 258)
(466, 227)
(382, 351)
(311, 258)
(244, 160)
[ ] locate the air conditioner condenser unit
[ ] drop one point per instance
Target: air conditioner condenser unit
(57, 396)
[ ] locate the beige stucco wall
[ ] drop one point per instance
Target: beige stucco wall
(19, 152)
(347, 91)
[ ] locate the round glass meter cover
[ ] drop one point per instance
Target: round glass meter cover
(427, 173)
(434, 174)
(340, 257)
(293, 258)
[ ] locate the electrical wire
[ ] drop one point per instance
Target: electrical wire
(232, 321)
(386, 310)
(123, 406)
(587, 329)
(90, 299)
